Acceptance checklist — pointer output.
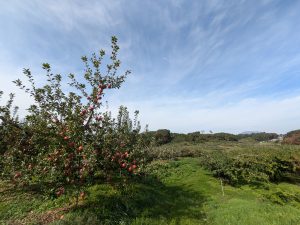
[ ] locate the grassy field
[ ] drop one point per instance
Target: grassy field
(177, 190)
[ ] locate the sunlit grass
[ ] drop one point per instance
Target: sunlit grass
(174, 192)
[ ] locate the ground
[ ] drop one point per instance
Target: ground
(176, 191)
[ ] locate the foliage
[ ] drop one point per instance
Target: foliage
(173, 192)
(67, 140)
(247, 169)
(282, 197)
(10, 129)
(162, 136)
(239, 163)
(198, 137)
(174, 151)
(292, 137)
(262, 136)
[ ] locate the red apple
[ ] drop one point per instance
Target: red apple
(83, 112)
(71, 144)
(17, 175)
(126, 154)
(80, 148)
(98, 118)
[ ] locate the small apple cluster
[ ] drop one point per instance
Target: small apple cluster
(98, 94)
(123, 160)
(94, 101)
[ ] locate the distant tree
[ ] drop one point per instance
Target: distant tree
(262, 136)
(163, 136)
(292, 137)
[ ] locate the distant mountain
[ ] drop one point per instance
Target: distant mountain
(251, 132)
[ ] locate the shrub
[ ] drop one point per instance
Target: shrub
(261, 136)
(292, 137)
(247, 168)
(282, 197)
(163, 136)
(198, 137)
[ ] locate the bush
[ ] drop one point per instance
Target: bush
(292, 137)
(162, 136)
(246, 168)
(282, 197)
(262, 136)
(198, 137)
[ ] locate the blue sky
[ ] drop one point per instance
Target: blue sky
(213, 65)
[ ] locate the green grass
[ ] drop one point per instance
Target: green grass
(245, 205)
(174, 192)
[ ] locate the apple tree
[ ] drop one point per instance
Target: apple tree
(67, 138)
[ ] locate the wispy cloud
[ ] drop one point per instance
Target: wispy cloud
(193, 61)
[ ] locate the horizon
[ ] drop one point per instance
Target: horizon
(224, 66)
(211, 132)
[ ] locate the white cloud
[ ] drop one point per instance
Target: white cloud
(249, 114)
